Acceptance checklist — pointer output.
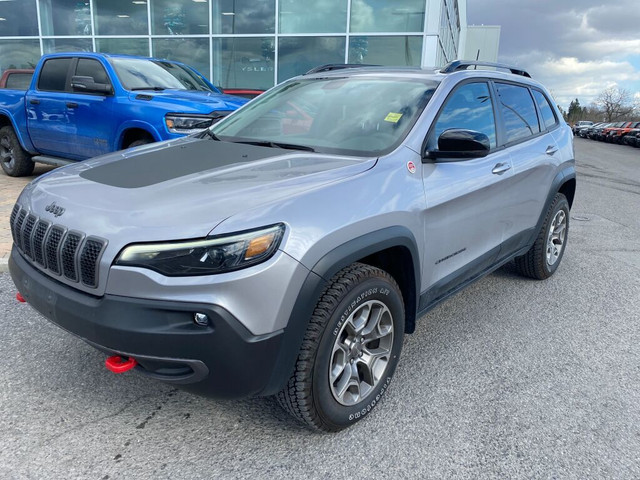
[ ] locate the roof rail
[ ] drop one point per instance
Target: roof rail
(465, 64)
(337, 66)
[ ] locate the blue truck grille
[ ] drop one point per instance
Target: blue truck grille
(60, 252)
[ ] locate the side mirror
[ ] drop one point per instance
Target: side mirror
(88, 85)
(457, 143)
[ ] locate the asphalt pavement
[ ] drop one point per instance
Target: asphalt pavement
(512, 378)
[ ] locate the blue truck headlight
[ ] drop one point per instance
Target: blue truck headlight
(207, 256)
(187, 124)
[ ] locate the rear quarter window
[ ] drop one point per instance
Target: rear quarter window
(546, 111)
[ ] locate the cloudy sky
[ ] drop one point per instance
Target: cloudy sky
(577, 49)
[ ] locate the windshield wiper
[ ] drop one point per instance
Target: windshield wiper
(267, 143)
(155, 89)
(206, 131)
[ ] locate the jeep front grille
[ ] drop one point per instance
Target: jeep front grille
(59, 251)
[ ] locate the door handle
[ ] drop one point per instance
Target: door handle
(500, 168)
(72, 105)
(551, 150)
(34, 101)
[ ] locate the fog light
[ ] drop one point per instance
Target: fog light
(201, 319)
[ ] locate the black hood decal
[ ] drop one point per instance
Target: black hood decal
(174, 161)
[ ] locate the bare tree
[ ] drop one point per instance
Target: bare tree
(615, 103)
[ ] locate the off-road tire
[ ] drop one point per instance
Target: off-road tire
(15, 161)
(309, 395)
(534, 263)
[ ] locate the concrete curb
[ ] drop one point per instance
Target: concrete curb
(4, 265)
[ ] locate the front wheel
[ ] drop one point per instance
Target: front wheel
(15, 161)
(350, 351)
(544, 257)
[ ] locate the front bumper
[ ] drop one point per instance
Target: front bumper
(223, 359)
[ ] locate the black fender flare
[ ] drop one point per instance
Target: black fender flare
(317, 279)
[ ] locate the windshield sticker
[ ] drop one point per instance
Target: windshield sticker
(393, 117)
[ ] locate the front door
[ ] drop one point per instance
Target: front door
(464, 221)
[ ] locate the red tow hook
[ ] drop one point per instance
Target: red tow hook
(20, 298)
(117, 364)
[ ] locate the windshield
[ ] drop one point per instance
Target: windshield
(363, 116)
(147, 74)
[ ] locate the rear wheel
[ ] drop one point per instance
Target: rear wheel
(544, 257)
(15, 161)
(350, 350)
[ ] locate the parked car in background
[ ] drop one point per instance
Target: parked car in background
(633, 137)
(580, 124)
(618, 135)
(586, 131)
(16, 79)
(80, 105)
(243, 92)
(612, 133)
(602, 133)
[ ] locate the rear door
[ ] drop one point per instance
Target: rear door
(464, 219)
(50, 127)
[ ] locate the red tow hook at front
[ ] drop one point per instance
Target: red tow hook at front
(20, 298)
(117, 364)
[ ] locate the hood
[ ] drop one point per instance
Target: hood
(178, 189)
(189, 101)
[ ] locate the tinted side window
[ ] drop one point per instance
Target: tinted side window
(470, 108)
(92, 68)
(548, 117)
(19, 81)
(518, 112)
(53, 76)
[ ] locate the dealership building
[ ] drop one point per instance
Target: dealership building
(239, 43)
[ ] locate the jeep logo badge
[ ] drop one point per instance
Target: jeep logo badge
(55, 209)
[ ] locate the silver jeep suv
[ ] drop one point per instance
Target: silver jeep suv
(288, 249)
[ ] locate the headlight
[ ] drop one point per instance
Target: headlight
(183, 123)
(205, 257)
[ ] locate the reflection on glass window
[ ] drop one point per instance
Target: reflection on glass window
(326, 16)
(243, 62)
(148, 74)
(125, 46)
(546, 111)
(51, 45)
(180, 17)
(397, 51)
(65, 17)
(518, 112)
(120, 17)
(297, 55)
(192, 51)
(243, 16)
(386, 16)
(468, 108)
(18, 18)
(19, 54)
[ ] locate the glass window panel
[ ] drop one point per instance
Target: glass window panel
(548, 117)
(190, 51)
(244, 16)
(51, 45)
(88, 67)
(65, 17)
(297, 55)
(126, 46)
(518, 112)
(120, 17)
(326, 16)
(397, 51)
(469, 108)
(180, 17)
(53, 77)
(386, 16)
(19, 54)
(18, 18)
(243, 62)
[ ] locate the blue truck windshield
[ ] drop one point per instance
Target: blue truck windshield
(147, 74)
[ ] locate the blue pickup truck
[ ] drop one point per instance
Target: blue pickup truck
(81, 105)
